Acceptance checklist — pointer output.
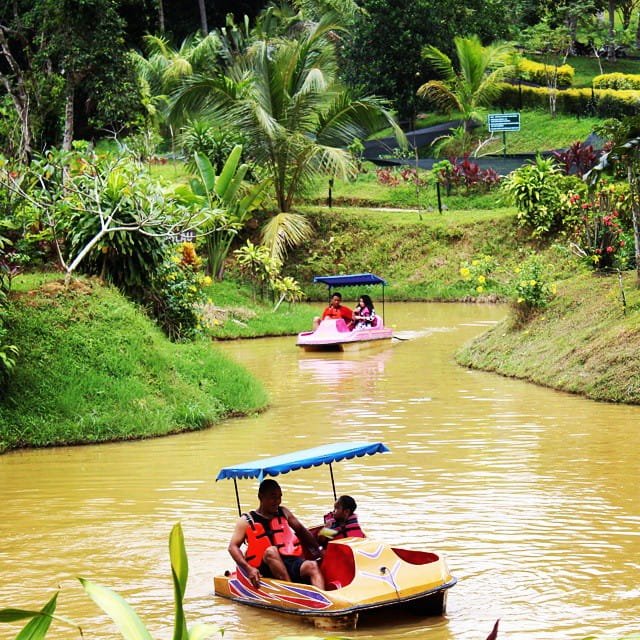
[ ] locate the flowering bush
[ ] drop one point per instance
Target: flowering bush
(599, 235)
(479, 273)
(531, 289)
(177, 292)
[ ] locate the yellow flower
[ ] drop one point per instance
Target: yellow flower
(480, 289)
(554, 289)
(206, 281)
(532, 283)
(465, 272)
(520, 300)
(475, 263)
(516, 270)
(481, 279)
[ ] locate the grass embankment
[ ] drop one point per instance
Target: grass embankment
(93, 368)
(420, 259)
(584, 342)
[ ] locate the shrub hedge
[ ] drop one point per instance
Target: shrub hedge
(618, 81)
(538, 73)
(603, 103)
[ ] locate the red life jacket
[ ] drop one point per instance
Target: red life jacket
(349, 529)
(262, 533)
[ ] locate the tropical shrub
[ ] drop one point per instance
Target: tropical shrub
(202, 137)
(578, 158)
(457, 173)
(536, 190)
(530, 289)
(393, 177)
(177, 294)
(538, 73)
(223, 202)
(88, 201)
(263, 270)
(599, 238)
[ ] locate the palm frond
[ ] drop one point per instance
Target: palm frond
(285, 231)
(440, 94)
(440, 62)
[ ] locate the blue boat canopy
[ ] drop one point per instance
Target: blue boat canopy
(325, 454)
(352, 280)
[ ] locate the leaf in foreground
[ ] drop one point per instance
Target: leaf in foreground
(117, 608)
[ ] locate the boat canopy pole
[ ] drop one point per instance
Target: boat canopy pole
(333, 484)
(384, 317)
(235, 484)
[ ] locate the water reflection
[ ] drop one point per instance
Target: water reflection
(362, 369)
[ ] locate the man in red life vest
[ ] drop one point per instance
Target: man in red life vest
(273, 535)
(334, 310)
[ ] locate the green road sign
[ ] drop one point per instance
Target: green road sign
(503, 122)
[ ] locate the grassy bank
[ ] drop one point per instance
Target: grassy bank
(585, 342)
(420, 258)
(93, 368)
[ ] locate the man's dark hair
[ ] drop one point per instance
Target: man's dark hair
(337, 294)
(266, 486)
(347, 502)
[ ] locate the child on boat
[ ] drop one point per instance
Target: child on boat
(342, 522)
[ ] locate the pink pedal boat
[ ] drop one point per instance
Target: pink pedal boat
(334, 334)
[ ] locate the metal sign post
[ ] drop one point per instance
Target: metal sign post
(503, 122)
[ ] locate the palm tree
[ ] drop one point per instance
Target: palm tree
(296, 118)
(477, 81)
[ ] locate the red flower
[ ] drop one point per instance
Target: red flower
(610, 249)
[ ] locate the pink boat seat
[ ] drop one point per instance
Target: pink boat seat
(341, 325)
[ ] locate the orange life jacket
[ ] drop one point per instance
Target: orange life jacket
(262, 533)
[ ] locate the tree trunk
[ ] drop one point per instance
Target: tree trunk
(161, 15)
(203, 18)
(638, 33)
(67, 138)
(16, 88)
(611, 54)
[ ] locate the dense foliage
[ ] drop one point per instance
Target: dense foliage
(383, 53)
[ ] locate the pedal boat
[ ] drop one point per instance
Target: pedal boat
(362, 575)
(334, 334)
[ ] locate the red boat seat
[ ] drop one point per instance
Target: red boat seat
(338, 566)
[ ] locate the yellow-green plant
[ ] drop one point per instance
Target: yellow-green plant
(478, 273)
(531, 289)
(539, 72)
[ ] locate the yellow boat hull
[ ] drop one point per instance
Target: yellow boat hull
(361, 574)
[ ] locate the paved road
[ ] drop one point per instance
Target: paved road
(376, 150)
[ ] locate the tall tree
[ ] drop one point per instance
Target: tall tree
(55, 64)
(295, 116)
(202, 8)
(382, 56)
